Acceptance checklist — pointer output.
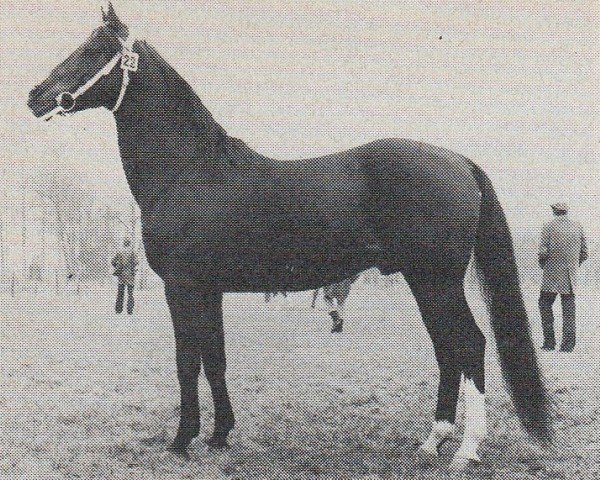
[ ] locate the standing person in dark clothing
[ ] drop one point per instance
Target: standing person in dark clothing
(563, 249)
(335, 296)
(125, 263)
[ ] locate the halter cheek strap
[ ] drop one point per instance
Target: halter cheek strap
(129, 63)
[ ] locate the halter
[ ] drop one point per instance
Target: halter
(129, 63)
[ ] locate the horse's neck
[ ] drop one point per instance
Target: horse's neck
(157, 134)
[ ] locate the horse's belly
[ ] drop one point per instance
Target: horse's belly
(293, 267)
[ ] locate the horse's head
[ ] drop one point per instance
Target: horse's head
(90, 77)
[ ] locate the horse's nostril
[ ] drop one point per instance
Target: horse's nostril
(66, 101)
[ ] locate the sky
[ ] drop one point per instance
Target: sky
(513, 85)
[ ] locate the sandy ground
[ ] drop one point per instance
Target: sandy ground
(88, 394)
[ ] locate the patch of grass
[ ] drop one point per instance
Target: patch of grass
(89, 395)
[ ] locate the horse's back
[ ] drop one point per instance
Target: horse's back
(421, 202)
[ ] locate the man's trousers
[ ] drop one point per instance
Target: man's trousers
(121, 297)
(546, 301)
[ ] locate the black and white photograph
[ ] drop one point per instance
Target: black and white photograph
(275, 239)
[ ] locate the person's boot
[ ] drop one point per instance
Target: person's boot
(338, 322)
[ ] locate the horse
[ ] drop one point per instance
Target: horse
(220, 217)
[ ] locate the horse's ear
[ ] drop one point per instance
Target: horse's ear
(111, 20)
(108, 12)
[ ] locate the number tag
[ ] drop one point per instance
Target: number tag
(129, 61)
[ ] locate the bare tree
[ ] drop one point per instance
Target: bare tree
(70, 201)
(130, 223)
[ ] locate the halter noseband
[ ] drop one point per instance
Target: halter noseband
(129, 63)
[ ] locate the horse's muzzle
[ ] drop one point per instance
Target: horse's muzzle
(39, 104)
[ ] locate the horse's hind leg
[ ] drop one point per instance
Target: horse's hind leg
(470, 351)
(459, 349)
(435, 300)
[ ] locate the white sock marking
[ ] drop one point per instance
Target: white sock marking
(475, 421)
(440, 431)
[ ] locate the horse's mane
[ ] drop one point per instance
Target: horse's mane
(213, 138)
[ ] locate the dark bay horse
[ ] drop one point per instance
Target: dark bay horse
(219, 217)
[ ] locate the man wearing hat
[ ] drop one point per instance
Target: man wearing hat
(563, 249)
(125, 263)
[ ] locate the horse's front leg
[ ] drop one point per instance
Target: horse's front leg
(198, 325)
(213, 358)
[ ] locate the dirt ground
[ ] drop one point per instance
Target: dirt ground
(88, 394)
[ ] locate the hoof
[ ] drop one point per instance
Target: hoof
(179, 451)
(425, 458)
(461, 464)
(181, 443)
(217, 444)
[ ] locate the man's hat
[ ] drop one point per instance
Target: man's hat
(560, 207)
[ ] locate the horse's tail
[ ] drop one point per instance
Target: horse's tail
(499, 277)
